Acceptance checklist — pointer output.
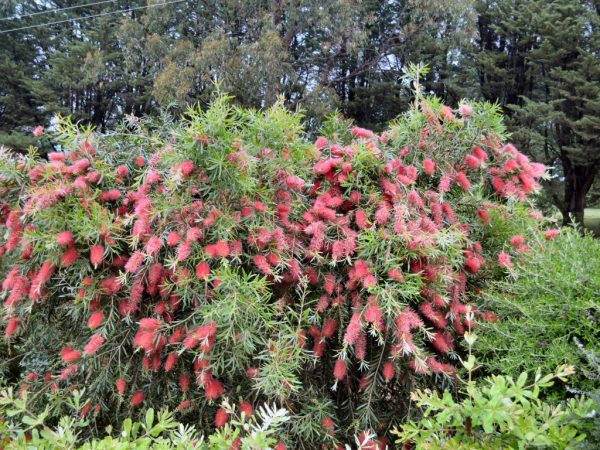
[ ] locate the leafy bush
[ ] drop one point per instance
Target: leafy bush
(551, 300)
(498, 412)
(169, 264)
(159, 431)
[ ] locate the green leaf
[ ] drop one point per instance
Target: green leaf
(149, 418)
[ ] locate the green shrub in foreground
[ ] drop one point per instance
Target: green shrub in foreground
(497, 413)
(26, 430)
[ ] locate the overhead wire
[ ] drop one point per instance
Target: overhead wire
(55, 10)
(91, 16)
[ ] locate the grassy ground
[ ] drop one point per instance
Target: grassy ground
(592, 220)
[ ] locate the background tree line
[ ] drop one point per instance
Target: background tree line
(537, 58)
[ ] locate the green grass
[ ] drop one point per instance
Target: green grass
(592, 220)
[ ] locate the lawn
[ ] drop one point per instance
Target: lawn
(592, 220)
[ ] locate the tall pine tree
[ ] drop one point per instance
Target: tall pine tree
(540, 59)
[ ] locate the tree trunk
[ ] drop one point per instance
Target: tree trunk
(578, 182)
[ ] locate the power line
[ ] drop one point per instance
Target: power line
(50, 11)
(91, 17)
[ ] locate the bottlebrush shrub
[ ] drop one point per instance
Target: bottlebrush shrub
(170, 264)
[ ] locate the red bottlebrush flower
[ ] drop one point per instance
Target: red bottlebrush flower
(444, 185)
(273, 259)
(369, 281)
(463, 181)
(252, 372)
(373, 313)
(263, 264)
(150, 324)
(260, 206)
(504, 260)
(184, 250)
(433, 315)
(551, 234)
(184, 382)
(480, 153)
(144, 340)
(361, 269)
(193, 234)
(294, 183)
(280, 446)
(203, 270)
(442, 342)
(153, 245)
(122, 171)
(113, 194)
(329, 328)
(354, 329)
(183, 405)
(221, 418)
(137, 399)
(537, 169)
(154, 277)
(38, 131)
(177, 336)
(121, 385)
(171, 362)
(429, 166)
(206, 331)
(415, 199)
(134, 262)
(517, 241)
(110, 286)
(472, 264)
(186, 167)
(360, 348)
(213, 389)
(96, 255)
(222, 249)
(328, 424)
(466, 111)
(510, 165)
(437, 367)
(484, 216)
(361, 219)
(447, 113)
(69, 257)
(12, 327)
(396, 274)
(64, 238)
(382, 215)
(340, 370)
(489, 316)
(95, 320)
(85, 410)
(362, 133)
(498, 184)
(389, 370)
(173, 239)
(94, 344)
(140, 161)
(246, 409)
(69, 354)
(68, 372)
(321, 142)
(472, 162)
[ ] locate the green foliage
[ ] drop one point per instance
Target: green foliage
(21, 429)
(497, 412)
(550, 300)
